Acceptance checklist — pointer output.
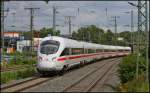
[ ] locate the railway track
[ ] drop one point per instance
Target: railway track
(35, 81)
(21, 86)
(87, 82)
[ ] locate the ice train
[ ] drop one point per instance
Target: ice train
(58, 53)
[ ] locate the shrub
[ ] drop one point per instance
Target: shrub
(18, 60)
(26, 73)
(127, 67)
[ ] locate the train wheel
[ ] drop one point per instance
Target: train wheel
(41, 72)
(61, 72)
(81, 63)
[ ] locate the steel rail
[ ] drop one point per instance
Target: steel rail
(85, 76)
(21, 86)
(98, 79)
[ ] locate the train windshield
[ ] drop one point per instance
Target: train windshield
(49, 47)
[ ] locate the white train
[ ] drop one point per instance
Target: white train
(58, 54)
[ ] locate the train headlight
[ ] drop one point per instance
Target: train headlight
(54, 58)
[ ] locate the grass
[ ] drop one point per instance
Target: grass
(18, 61)
(16, 75)
(138, 85)
(135, 85)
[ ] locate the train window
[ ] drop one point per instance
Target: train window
(113, 50)
(85, 51)
(91, 51)
(120, 50)
(77, 51)
(106, 50)
(99, 50)
(49, 47)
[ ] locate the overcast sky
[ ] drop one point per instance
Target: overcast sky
(90, 12)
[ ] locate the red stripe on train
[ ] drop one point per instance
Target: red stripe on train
(74, 57)
(85, 55)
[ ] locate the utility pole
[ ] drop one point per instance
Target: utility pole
(54, 18)
(31, 24)
(115, 22)
(106, 10)
(147, 42)
(12, 40)
(115, 31)
(89, 37)
(69, 23)
(131, 30)
(132, 26)
(142, 26)
(2, 27)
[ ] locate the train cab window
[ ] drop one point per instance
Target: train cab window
(65, 52)
(49, 47)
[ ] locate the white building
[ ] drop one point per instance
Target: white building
(24, 44)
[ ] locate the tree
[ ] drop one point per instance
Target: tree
(43, 33)
(107, 38)
(88, 34)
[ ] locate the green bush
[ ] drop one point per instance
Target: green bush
(28, 53)
(127, 67)
(25, 73)
(18, 60)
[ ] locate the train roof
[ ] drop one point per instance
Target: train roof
(80, 44)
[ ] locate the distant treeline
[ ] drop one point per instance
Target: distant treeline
(95, 35)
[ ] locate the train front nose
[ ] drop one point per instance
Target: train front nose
(47, 54)
(45, 64)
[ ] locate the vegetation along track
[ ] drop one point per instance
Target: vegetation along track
(15, 68)
(87, 82)
(18, 87)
